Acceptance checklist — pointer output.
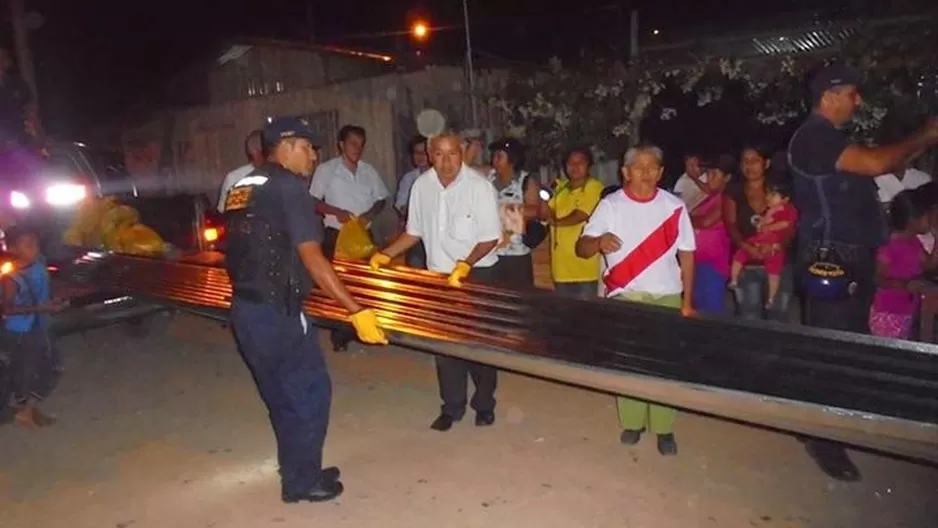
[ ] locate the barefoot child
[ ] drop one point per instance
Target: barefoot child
(900, 265)
(26, 303)
(777, 226)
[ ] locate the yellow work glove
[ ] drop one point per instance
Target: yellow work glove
(378, 261)
(460, 272)
(366, 326)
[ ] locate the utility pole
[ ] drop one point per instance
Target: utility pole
(469, 70)
(24, 57)
(633, 35)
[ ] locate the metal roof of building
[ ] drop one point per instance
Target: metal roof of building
(806, 39)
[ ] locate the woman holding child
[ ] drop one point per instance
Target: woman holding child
(745, 202)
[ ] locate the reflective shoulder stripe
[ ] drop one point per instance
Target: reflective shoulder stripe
(252, 180)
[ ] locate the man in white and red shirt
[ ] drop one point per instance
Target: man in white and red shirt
(647, 241)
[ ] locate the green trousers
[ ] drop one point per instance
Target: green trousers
(635, 415)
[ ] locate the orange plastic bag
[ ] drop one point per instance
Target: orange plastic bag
(139, 239)
(354, 242)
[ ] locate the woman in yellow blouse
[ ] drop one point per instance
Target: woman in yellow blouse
(573, 202)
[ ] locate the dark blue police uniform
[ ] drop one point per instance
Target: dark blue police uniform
(838, 211)
(268, 215)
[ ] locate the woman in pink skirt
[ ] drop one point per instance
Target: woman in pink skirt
(901, 264)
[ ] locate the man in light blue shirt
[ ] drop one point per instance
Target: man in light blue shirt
(416, 256)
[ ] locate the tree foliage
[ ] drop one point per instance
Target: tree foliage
(603, 102)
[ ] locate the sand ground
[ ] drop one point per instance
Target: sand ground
(168, 431)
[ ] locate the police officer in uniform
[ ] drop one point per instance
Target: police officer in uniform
(274, 255)
(840, 216)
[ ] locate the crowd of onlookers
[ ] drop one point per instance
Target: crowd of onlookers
(743, 217)
(744, 222)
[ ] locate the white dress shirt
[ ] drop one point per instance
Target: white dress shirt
(889, 185)
(452, 220)
(356, 193)
(230, 179)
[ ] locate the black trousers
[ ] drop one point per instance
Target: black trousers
(342, 336)
(453, 374)
(515, 273)
(34, 364)
(850, 314)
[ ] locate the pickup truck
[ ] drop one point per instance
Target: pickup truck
(187, 223)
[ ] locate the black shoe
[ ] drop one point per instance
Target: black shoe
(833, 460)
(340, 347)
(444, 422)
(484, 419)
(330, 474)
(630, 438)
(322, 492)
(667, 446)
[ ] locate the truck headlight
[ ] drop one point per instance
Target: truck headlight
(65, 194)
(19, 200)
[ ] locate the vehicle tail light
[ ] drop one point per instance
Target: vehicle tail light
(211, 234)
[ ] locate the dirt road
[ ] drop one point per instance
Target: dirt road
(168, 432)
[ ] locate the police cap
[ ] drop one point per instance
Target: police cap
(833, 76)
(281, 128)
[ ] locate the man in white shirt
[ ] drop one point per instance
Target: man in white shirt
(453, 209)
(254, 150)
(687, 187)
(647, 240)
(415, 257)
(903, 179)
(347, 187)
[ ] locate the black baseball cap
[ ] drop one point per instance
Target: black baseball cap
(833, 76)
(508, 145)
(280, 128)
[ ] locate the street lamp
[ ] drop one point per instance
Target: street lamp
(420, 30)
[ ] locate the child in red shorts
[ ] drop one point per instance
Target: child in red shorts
(778, 224)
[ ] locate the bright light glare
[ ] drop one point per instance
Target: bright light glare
(210, 234)
(65, 194)
(420, 30)
(19, 200)
(656, 32)
(6, 268)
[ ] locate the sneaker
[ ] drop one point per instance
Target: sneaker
(667, 446)
(630, 437)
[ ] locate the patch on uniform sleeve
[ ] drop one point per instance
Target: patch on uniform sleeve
(239, 196)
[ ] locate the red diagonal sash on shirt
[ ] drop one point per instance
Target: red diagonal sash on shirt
(655, 245)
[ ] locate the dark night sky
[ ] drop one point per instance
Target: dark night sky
(93, 56)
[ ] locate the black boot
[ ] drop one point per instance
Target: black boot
(833, 460)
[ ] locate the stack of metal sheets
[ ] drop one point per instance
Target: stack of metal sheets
(859, 389)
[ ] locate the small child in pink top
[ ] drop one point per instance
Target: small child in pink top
(900, 264)
(778, 225)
